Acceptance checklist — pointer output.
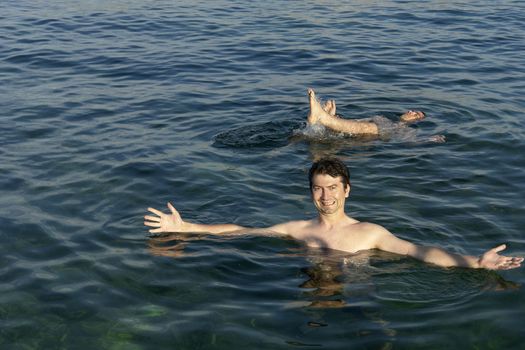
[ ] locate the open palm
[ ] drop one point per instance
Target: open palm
(162, 222)
(493, 261)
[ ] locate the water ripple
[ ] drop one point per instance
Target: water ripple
(110, 107)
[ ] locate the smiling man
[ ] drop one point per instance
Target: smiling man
(333, 229)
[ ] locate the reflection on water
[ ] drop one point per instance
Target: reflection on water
(330, 272)
(168, 245)
(355, 287)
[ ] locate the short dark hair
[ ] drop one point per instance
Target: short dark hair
(330, 166)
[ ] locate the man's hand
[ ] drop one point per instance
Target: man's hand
(164, 222)
(493, 261)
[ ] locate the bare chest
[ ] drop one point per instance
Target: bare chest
(346, 239)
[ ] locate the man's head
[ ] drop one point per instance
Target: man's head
(329, 186)
(330, 166)
(412, 116)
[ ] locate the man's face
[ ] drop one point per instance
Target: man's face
(329, 193)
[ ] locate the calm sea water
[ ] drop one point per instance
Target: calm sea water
(108, 107)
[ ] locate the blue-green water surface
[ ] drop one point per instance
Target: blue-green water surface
(108, 107)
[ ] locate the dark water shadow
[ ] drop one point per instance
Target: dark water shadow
(257, 136)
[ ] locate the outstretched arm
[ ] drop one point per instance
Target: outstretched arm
(172, 222)
(490, 260)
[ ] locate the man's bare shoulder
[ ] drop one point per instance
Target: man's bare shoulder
(290, 227)
(367, 228)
